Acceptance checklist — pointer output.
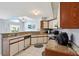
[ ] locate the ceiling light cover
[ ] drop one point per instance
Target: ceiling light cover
(36, 12)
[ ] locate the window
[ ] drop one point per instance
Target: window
(31, 25)
(55, 24)
(14, 28)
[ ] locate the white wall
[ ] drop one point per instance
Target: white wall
(56, 13)
(75, 32)
(4, 26)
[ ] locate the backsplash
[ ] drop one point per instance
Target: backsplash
(75, 32)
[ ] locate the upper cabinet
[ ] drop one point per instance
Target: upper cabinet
(44, 24)
(69, 15)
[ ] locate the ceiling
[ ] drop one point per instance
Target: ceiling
(10, 9)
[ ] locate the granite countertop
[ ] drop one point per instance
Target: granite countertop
(53, 45)
(33, 34)
(21, 33)
(15, 37)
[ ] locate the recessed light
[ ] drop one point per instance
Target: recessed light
(36, 12)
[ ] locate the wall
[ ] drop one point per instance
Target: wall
(4, 26)
(55, 8)
(56, 14)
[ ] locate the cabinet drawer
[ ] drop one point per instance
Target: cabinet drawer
(13, 49)
(15, 40)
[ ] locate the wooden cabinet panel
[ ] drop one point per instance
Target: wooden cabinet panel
(44, 24)
(34, 40)
(40, 39)
(15, 40)
(13, 49)
(45, 39)
(69, 12)
(27, 42)
(21, 45)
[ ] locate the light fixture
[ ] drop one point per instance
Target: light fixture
(24, 18)
(36, 12)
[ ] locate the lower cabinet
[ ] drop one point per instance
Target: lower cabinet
(27, 42)
(40, 39)
(18, 45)
(13, 49)
(21, 45)
(34, 40)
(45, 39)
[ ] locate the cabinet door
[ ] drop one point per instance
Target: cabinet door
(27, 42)
(45, 39)
(13, 49)
(21, 45)
(40, 39)
(34, 40)
(45, 24)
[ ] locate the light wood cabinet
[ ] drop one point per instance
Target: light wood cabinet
(17, 45)
(13, 43)
(45, 40)
(13, 49)
(34, 40)
(27, 42)
(44, 24)
(21, 45)
(40, 39)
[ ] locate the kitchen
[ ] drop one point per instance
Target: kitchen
(35, 27)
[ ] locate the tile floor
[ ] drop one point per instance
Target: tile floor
(32, 51)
